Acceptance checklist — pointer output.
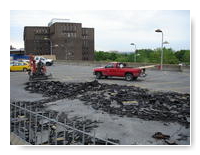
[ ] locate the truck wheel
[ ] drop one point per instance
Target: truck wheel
(48, 64)
(98, 75)
(129, 77)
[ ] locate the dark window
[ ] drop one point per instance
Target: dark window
(109, 66)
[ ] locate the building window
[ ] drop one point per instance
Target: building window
(70, 28)
(85, 36)
(68, 35)
(67, 27)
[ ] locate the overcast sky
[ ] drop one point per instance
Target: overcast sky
(114, 30)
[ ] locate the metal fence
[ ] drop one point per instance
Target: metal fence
(38, 127)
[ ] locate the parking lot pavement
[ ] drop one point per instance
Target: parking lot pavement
(127, 130)
(17, 92)
(155, 80)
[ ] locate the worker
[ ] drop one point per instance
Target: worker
(121, 65)
(40, 66)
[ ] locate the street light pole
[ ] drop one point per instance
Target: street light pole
(135, 50)
(51, 47)
(161, 61)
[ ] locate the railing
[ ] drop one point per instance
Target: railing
(38, 127)
(166, 67)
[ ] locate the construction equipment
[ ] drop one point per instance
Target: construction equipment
(38, 70)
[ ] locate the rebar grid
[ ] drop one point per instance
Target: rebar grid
(25, 123)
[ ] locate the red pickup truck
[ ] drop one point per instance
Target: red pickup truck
(120, 70)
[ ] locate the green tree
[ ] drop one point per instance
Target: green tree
(169, 56)
(146, 56)
(179, 55)
(154, 56)
(183, 56)
(186, 57)
(112, 56)
(99, 55)
(131, 57)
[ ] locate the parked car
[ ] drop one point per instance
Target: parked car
(19, 66)
(119, 70)
(47, 62)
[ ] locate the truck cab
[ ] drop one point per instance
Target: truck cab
(47, 62)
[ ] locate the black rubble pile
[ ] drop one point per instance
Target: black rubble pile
(120, 100)
(58, 89)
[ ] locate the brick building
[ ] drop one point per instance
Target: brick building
(66, 40)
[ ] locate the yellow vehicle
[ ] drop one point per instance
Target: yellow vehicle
(19, 66)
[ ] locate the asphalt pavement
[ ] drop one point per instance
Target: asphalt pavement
(155, 80)
(128, 130)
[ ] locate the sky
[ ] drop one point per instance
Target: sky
(114, 29)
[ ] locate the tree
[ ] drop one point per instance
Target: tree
(186, 57)
(146, 56)
(100, 55)
(179, 55)
(169, 57)
(183, 56)
(112, 56)
(131, 57)
(154, 56)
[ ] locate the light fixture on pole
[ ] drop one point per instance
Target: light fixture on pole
(135, 49)
(161, 61)
(165, 42)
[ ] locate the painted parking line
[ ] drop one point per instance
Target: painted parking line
(156, 77)
(161, 88)
(76, 78)
(63, 77)
(137, 85)
(159, 75)
(178, 89)
(166, 73)
(155, 83)
(187, 74)
(166, 83)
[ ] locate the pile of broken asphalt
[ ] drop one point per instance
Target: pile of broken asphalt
(120, 100)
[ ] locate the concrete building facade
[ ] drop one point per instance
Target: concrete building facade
(66, 40)
(35, 41)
